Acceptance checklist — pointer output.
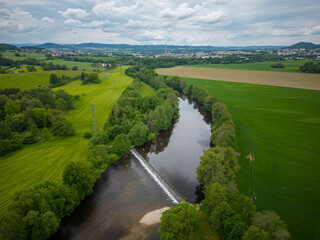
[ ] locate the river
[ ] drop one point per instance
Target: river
(126, 192)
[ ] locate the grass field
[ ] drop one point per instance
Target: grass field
(99, 58)
(47, 160)
(24, 68)
(70, 64)
(24, 55)
(290, 66)
(32, 79)
(283, 79)
(281, 126)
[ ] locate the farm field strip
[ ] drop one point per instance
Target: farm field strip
(281, 79)
(47, 160)
(290, 66)
(281, 127)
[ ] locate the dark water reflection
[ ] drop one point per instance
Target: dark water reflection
(175, 153)
(126, 192)
(121, 197)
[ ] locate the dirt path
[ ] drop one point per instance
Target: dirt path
(283, 79)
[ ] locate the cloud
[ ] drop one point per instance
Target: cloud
(182, 12)
(71, 21)
(47, 19)
(111, 8)
(95, 23)
(211, 18)
(133, 23)
(17, 20)
(74, 13)
(155, 35)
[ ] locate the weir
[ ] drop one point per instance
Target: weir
(156, 176)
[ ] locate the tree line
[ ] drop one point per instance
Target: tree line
(310, 67)
(32, 115)
(231, 214)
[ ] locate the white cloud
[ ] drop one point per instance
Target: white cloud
(47, 19)
(111, 8)
(157, 35)
(74, 13)
(17, 20)
(95, 23)
(182, 12)
(211, 18)
(133, 23)
(71, 21)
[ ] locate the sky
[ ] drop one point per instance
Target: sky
(180, 22)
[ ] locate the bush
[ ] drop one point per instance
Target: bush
(277, 65)
(87, 135)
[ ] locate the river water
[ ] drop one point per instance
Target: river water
(126, 192)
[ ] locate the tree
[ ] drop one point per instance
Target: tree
(219, 214)
(53, 79)
(12, 107)
(271, 223)
(178, 222)
(215, 194)
(234, 227)
(40, 226)
(243, 206)
(31, 68)
(61, 104)
(217, 165)
(139, 134)
(75, 68)
(81, 177)
(121, 145)
(256, 233)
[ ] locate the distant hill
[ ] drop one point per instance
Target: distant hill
(143, 48)
(5, 47)
(303, 45)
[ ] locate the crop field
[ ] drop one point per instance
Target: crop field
(282, 79)
(24, 55)
(47, 160)
(281, 127)
(290, 66)
(32, 79)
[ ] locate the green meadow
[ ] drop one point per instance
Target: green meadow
(281, 127)
(32, 79)
(24, 55)
(290, 66)
(46, 160)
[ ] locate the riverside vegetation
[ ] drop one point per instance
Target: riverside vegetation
(36, 213)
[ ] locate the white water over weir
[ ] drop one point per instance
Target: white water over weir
(156, 176)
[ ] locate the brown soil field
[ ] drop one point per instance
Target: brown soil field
(282, 79)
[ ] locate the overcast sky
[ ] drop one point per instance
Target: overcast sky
(180, 22)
